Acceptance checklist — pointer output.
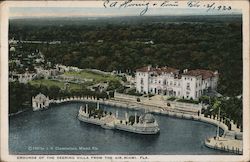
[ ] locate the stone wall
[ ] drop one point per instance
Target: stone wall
(185, 106)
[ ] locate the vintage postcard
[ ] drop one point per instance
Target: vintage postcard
(124, 80)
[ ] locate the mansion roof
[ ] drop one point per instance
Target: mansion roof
(200, 72)
(197, 72)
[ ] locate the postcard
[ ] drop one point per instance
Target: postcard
(124, 80)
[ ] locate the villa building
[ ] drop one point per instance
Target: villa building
(189, 84)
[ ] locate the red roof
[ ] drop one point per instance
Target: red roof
(204, 73)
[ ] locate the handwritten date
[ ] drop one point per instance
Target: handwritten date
(209, 6)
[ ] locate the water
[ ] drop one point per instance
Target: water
(58, 131)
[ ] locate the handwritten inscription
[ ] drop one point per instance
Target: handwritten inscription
(209, 6)
(144, 6)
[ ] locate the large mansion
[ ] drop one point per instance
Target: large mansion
(189, 84)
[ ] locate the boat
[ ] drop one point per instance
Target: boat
(146, 124)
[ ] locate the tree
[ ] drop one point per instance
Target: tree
(114, 84)
(54, 91)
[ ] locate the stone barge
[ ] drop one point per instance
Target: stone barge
(145, 124)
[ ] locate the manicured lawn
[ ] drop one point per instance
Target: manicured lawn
(92, 75)
(97, 78)
(49, 83)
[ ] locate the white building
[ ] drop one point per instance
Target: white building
(171, 82)
(22, 78)
(43, 72)
(63, 68)
(12, 41)
(40, 102)
(12, 49)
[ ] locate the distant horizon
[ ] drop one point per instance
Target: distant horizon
(107, 17)
(57, 12)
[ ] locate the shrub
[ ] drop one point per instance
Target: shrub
(171, 98)
(188, 101)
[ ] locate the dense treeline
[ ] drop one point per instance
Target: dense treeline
(214, 46)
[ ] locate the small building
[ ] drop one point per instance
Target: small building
(75, 69)
(40, 102)
(39, 60)
(62, 68)
(12, 41)
(149, 42)
(24, 78)
(12, 49)
(43, 72)
(100, 41)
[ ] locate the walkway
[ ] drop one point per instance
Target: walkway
(230, 145)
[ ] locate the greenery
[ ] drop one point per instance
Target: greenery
(230, 108)
(85, 74)
(115, 85)
(210, 42)
(134, 93)
(171, 98)
(188, 101)
(204, 99)
(51, 83)
(18, 96)
(94, 112)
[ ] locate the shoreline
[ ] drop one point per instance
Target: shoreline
(18, 112)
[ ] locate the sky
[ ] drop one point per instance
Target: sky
(31, 12)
